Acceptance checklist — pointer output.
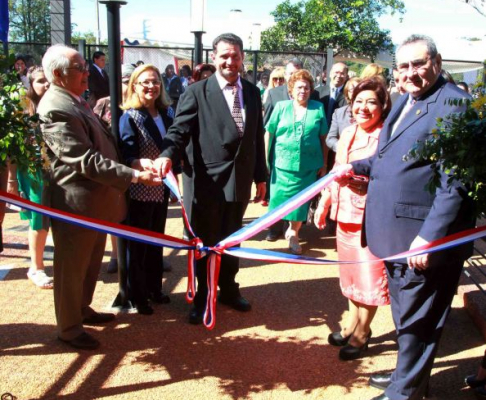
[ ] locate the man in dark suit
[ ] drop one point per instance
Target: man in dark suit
(173, 85)
(218, 129)
(84, 178)
(332, 97)
(402, 214)
(98, 82)
(274, 96)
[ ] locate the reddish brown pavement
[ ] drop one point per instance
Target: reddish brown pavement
(277, 351)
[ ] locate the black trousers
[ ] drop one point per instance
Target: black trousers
(145, 269)
(212, 222)
(420, 304)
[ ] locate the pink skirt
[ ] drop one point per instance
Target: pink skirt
(365, 283)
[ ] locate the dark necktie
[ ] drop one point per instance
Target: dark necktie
(236, 110)
(86, 105)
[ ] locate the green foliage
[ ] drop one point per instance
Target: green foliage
(457, 147)
(315, 25)
(30, 21)
(18, 136)
(88, 36)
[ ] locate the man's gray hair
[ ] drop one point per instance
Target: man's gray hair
(296, 62)
(429, 42)
(54, 59)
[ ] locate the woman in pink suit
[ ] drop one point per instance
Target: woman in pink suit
(364, 284)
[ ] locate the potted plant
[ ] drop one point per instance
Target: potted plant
(19, 137)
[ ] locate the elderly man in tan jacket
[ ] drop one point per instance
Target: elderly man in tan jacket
(85, 178)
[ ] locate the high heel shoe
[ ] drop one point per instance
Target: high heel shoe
(473, 382)
(336, 339)
(349, 352)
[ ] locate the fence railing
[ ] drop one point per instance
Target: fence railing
(254, 60)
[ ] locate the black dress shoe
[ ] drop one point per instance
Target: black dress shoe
(272, 236)
(196, 316)
(84, 341)
(349, 352)
(382, 396)
(112, 266)
(336, 339)
(144, 308)
(238, 303)
(473, 382)
(98, 318)
(380, 381)
(160, 298)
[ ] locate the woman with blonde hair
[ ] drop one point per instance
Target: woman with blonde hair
(373, 70)
(277, 78)
(146, 120)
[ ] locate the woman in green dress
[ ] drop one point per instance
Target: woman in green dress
(297, 130)
(30, 187)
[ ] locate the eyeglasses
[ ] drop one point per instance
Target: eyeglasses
(278, 79)
(147, 84)
(415, 65)
(80, 67)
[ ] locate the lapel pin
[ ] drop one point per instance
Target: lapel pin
(418, 112)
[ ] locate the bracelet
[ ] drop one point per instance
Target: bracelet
(12, 181)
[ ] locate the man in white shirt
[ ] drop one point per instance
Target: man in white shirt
(98, 83)
(218, 130)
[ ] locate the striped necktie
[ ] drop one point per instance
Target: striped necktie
(236, 110)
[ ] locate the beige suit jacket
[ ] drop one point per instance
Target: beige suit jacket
(85, 176)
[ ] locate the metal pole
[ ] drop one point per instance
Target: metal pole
(98, 31)
(330, 62)
(255, 67)
(82, 48)
(114, 54)
(198, 48)
(484, 74)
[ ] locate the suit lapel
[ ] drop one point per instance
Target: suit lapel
(151, 129)
(388, 127)
(167, 120)
(249, 105)
(146, 124)
(218, 102)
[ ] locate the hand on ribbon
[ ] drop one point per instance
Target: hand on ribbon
(420, 262)
(144, 164)
(163, 165)
(342, 172)
(149, 179)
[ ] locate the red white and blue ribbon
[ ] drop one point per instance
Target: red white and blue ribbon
(227, 246)
(125, 231)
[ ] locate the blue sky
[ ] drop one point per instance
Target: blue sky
(447, 21)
